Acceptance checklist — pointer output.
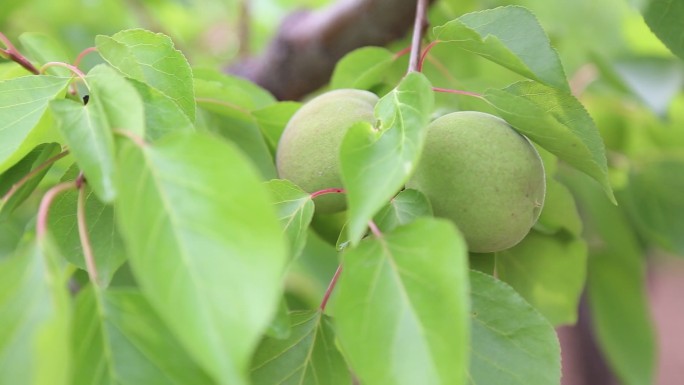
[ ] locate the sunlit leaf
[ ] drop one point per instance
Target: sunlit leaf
(162, 115)
(376, 162)
(391, 328)
(24, 123)
(87, 133)
(362, 68)
(510, 36)
(557, 122)
(204, 244)
(295, 210)
(512, 344)
(307, 357)
(152, 59)
(116, 99)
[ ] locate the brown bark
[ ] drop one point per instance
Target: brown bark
(302, 56)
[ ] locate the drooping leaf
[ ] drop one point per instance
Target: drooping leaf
(376, 162)
(162, 115)
(204, 244)
(273, 119)
(152, 59)
(510, 36)
(559, 212)
(12, 197)
(87, 133)
(121, 340)
(24, 123)
(653, 201)
(557, 122)
(295, 210)
(308, 357)
(362, 68)
(34, 314)
(116, 99)
(403, 209)
(390, 327)
(42, 49)
(664, 17)
(512, 344)
(549, 272)
(616, 287)
(105, 240)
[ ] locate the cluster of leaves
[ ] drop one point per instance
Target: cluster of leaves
(168, 202)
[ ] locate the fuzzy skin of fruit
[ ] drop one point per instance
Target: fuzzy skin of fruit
(484, 176)
(308, 150)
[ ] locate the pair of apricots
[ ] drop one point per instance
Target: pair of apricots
(475, 169)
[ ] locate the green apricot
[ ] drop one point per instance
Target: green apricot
(484, 176)
(308, 150)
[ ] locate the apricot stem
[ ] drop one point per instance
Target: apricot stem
(327, 191)
(331, 286)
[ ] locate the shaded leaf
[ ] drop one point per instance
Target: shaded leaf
(295, 211)
(403, 209)
(122, 340)
(307, 357)
(107, 246)
(152, 59)
(87, 133)
(280, 324)
(13, 197)
(206, 237)
(389, 325)
(376, 162)
(511, 342)
(557, 122)
(510, 36)
(24, 123)
(559, 212)
(273, 119)
(34, 314)
(664, 17)
(549, 272)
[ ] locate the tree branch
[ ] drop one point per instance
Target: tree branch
(302, 56)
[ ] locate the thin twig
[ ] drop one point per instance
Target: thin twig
(13, 54)
(330, 288)
(46, 203)
(327, 191)
(418, 25)
(425, 53)
(33, 173)
(457, 92)
(374, 229)
(81, 55)
(83, 233)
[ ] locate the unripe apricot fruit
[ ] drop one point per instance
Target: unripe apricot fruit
(484, 176)
(308, 150)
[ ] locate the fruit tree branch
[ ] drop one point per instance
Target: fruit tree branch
(303, 54)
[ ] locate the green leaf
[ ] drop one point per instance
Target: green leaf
(234, 92)
(42, 49)
(376, 162)
(280, 324)
(307, 357)
(559, 212)
(116, 99)
(664, 17)
(204, 244)
(653, 200)
(152, 59)
(273, 119)
(510, 36)
(403, 209)
(12, 198)
(295, 211)
(616, 289)
(34, 314)
(549, 272)
(362, 68)
(121, 340)
(105, 240)
(557, 122)
(511, 342)
(24, 123)
(389, 323)
(162, 115)
(87, 133)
